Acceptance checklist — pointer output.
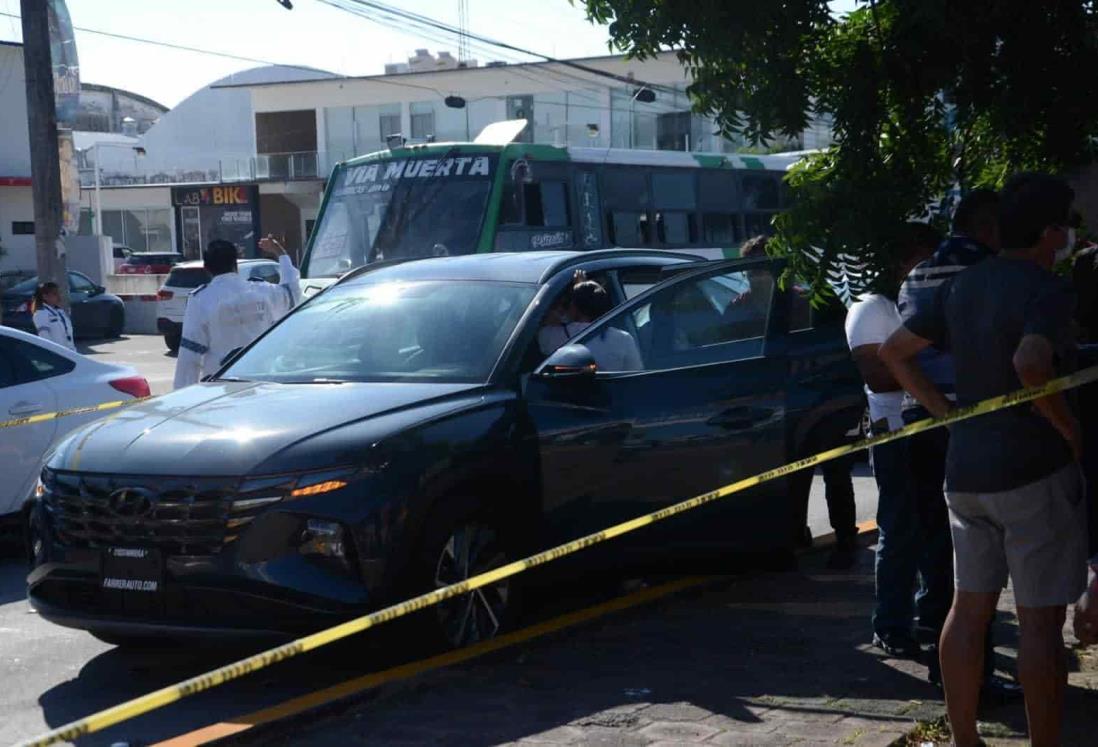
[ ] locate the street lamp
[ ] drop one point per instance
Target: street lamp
(98, 204)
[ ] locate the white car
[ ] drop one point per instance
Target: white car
(38, 376)
(184, 278)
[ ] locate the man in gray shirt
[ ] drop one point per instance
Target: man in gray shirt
(1013, 483)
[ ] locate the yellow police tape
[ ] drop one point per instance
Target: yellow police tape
(164, 696)
(42, 417)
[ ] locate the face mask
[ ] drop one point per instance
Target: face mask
(1065, 252)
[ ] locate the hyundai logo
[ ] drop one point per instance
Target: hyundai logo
(130, 503)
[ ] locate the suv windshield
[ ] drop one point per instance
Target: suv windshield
(402, 208)
(431, 331)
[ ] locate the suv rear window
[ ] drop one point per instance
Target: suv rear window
(191, 277)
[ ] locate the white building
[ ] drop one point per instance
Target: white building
(274, 135)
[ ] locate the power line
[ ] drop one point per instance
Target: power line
(226, 55)
(426, 20)
(429, 29)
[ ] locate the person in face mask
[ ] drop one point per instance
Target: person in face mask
(558, 326)
(1014, 486)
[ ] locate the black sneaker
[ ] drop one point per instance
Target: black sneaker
(897, 645)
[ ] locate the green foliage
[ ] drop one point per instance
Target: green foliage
(926, 96)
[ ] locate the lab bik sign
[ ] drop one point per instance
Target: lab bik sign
(229, 212)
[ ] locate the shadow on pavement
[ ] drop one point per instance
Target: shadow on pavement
(713, 660)
(770, 659)
(88, 347)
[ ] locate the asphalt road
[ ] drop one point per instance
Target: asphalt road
(53, 675)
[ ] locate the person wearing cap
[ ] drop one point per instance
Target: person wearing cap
(229, 311)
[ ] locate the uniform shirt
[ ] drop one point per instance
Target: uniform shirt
(870, 321)
(980, 316)
(227, 313)
(55, 325)
(918, 291)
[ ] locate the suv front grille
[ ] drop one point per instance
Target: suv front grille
(181, 516)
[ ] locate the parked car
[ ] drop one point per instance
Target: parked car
(8, 278)
(38, 376)
(95, 313)
(121, 254)
(184, 278)
(149, 263)
(403, 430)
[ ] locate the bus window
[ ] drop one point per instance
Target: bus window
(676, 228)
(759, 223)
(542, 205)
(674, 197)
(628, 228)
(625, 188)
(721, 229)
(717, 191)
(674, 191)
(547, 205)
(760, 191)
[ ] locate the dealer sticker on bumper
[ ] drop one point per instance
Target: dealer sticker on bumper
(132, 569)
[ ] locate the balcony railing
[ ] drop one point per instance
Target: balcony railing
(306, 165)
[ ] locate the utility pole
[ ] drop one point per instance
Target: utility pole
(45, 160)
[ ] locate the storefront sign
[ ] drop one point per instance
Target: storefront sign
(203, 214)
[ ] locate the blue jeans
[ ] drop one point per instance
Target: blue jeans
(913, 543)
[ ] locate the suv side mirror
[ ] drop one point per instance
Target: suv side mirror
(569, 362)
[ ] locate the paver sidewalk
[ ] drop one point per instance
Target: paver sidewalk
(766, 659)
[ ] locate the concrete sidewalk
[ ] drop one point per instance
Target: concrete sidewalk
(765, 659)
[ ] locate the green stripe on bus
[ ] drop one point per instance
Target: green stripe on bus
(752, 163)
(711, 161)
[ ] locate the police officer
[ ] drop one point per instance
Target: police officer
(50, 319)
(229, 312)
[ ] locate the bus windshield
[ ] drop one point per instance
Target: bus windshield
(401, 208)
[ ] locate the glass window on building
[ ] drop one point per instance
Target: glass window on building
(142, 230)
(550, 118)
(422, 119)
(484, 112)
(452, 125)
(388, 120)
(339, 133)
(367, 127)
(522, 107)
(584, 119)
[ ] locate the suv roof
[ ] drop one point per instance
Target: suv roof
(520, 267)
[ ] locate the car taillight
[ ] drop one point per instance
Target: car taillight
(135, 386)
(163, 295)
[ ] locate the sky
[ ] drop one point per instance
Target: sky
(312, 34)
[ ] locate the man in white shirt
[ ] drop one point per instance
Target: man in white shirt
(229, 312)
(913, 539)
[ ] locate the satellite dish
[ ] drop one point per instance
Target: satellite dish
(501, 133)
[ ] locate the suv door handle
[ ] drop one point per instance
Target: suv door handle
(24, 408)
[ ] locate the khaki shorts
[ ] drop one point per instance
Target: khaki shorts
(1035, 534)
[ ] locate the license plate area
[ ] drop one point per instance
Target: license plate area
(132, 570)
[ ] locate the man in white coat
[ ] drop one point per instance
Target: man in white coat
(229, 311)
